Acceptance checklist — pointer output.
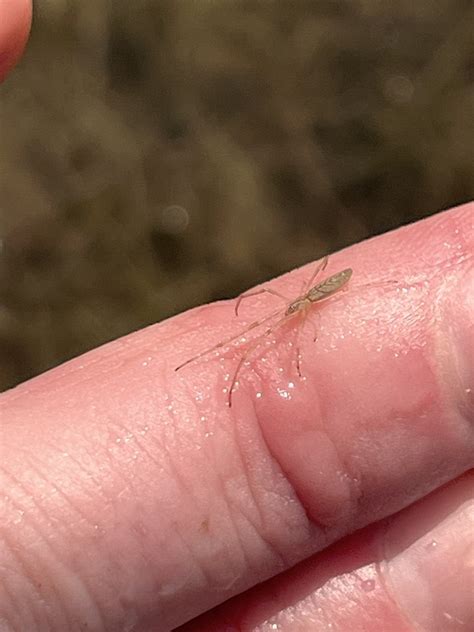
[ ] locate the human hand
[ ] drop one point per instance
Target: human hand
(132, 497)
(135, 498)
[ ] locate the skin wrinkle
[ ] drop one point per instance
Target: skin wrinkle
(229, 504)
(238, 538)
(55, 488)
(193, 556)
(68, 502)
(111, 473)
(353, 497)
(87, 476)
(279, 555)
(384, 577)
(250, 486)
(26, 493)
(114, 461)
(179, 478)
(269, 545)
(235, 558)
(259, 535)
(20, 563)
(202, 563)
(174, 472)
(52, 587)
(448, 370)
(233, 522)
(28, 573)
(320, 527)
(255, 503)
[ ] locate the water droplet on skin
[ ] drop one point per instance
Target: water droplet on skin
(209, 434)
(203, 418)
(284, 394)
(291, 385)
(128, 437)
(431, 545)
(258, 395)
(368, 585)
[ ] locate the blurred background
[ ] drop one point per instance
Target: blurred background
(158, 154)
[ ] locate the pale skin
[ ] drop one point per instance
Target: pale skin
(134, 498)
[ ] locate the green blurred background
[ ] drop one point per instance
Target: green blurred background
(159, 154)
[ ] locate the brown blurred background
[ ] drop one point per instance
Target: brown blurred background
(159, 154)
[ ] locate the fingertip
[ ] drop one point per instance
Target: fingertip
(15, 23)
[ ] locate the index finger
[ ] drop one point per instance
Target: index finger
(170, 502)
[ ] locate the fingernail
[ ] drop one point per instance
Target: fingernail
(431, 577)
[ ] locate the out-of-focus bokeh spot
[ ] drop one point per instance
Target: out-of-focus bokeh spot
(160, 154)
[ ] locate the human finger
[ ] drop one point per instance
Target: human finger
(15, 22)
(412, 571)
(140, 497)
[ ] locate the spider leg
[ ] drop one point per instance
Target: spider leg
(254, 345)
(263, 290)
(227, 341)
(298, 348)
(320, 267)
(315, 331)
(240, 365)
